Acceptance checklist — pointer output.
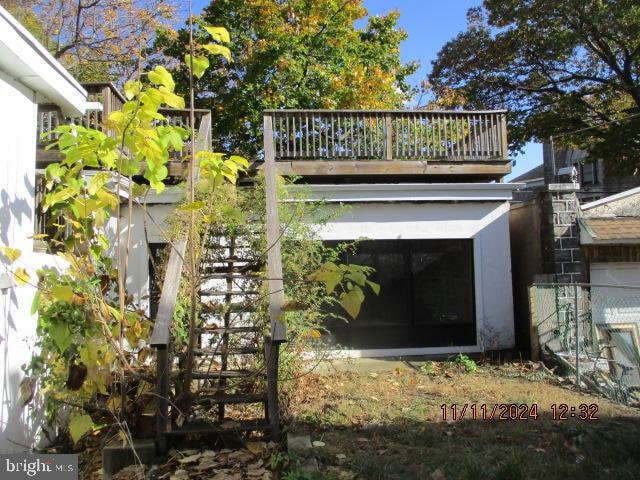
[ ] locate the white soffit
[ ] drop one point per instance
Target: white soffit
(409, 192)
(25, 59)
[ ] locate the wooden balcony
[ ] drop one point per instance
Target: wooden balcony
(49, 118)
(387, 144)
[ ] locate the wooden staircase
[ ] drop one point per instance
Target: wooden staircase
(231, 388)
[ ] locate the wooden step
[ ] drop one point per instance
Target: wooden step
(202, 352)
(205, 428)
(227, 399)
(241, 269)
(212, 292)
(242, 307)
(228, 330)
(232, 276)
(215, 374)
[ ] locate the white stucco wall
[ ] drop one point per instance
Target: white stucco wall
(486, 223)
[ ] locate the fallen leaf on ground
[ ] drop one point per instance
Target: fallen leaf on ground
(190, 458)
(437, 474)
(254, 447)
(318, 443)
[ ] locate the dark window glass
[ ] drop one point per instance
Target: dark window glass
(426, 299)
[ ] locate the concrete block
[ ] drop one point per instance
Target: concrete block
(569, 242)
(571, 268)
(298, 442)
(115, 456)
(563, 255)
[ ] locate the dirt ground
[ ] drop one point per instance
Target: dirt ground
(387, 421)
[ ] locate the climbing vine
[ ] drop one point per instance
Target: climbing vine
(93, 358)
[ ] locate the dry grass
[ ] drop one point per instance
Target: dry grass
(390, 426)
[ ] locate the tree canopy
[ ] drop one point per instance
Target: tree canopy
(95, 40)
(559, 66)
(293, 54)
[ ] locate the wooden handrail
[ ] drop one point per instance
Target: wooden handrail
(437, 135)
(161, 335)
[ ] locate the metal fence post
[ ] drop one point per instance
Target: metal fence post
(576, 316)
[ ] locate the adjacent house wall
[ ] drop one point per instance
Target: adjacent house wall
(525, 224)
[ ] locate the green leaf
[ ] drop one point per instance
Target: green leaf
(352, 301)
(216, 49)
(11, 253)
(62, 292)
(200, 65)
(193, 206)
(60, 335)
(374, 286)
(35, 303)
(161, 76)
(219, 34)
(79, 426)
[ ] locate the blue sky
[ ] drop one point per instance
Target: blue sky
(430, 24)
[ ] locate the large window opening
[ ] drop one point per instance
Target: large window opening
(427, 297)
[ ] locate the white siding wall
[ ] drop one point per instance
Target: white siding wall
(17, 326)
(486, 223)
(611, 304)
(138, 268)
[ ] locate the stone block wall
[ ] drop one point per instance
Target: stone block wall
(561, 235)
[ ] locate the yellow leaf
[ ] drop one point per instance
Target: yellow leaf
(161, 76)
(200, 65)
(171, 99)
(11, 253)
(216, 49)
(21, 275)
(132, 89)
(79, 425)
(220, 34)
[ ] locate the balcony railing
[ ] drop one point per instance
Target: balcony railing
(49, 117)
(389, 135)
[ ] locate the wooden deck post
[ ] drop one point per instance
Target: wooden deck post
(503, 135)
(271, 356)
(274, 258)
(162, 401)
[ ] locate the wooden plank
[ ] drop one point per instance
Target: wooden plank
(162, 400)
(274, 258)
(161, 329)
(391, 167)
(388, 139)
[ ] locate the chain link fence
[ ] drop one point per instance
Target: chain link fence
(593, 332)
